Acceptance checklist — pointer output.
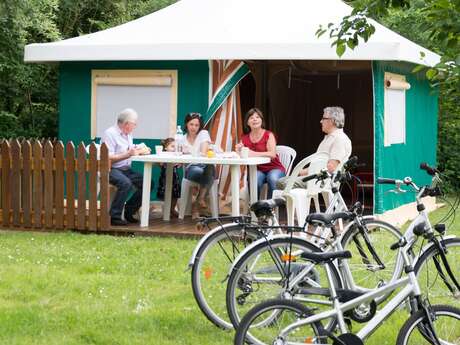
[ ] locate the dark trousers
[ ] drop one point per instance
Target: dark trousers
(125, 180)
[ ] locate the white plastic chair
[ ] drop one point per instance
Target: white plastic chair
(185, 202)
(286, 156)
(298, 200)
(303, 197)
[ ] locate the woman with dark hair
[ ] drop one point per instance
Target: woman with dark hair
(262, 143)
(196, 141)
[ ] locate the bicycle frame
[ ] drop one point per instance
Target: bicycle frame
(337, 204)
(411, 288)
(336, 245)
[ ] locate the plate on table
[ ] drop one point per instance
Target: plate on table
(168, 153)
(231, 154)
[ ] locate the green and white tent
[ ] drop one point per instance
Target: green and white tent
(162, 64)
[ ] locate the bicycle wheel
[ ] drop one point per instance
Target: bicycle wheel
(263, 323)
(369, 247)
(439, 290)
(275, 268)
(446, 326)
(210, 270)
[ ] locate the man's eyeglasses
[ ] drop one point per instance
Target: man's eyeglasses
(325, 118)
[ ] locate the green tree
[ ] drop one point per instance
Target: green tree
(28, 92)
(25, 100)
(434, 24)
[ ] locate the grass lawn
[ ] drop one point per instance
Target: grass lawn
(85, 289)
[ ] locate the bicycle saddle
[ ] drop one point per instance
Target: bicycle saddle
(265, 207)
(327, 219)
(323, 257)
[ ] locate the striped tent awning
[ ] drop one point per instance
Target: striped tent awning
(224, 118)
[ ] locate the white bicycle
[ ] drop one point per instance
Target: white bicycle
(216, 251)
(283, 322)
(275, 267)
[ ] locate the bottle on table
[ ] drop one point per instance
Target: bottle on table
(178, 139)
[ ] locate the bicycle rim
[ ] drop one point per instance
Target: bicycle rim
(210, 271)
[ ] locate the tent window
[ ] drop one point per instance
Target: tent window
(152, 93)
(395, 109)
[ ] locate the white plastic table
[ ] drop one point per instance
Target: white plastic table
(170, 159)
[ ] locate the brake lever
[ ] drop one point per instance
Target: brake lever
(397, 190)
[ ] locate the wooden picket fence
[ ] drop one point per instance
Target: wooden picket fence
(44, 186)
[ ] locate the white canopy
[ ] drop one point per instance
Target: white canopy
(230, 29)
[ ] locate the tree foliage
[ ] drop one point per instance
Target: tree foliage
(28, 92)
(26, 105)
(434, 24)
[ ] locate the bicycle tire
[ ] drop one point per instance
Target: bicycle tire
(212, 305)
(382, 235)
(278, 308)
(244, 289)
(430, 282)
(441, 312)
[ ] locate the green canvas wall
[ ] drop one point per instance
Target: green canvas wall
(75, 92)
(401, 160)
(75, 95)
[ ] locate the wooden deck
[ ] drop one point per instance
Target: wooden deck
(186, 228)
(157, 227)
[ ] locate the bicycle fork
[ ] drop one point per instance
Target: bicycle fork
(455, 290)
(370, 247)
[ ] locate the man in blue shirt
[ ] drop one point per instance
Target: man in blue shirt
(119, 142)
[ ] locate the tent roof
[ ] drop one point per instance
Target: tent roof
(230, 29)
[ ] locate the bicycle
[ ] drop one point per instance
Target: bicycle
(275, 266)
(439, 276)
(283, 322)
(216, 251)
(250, 281)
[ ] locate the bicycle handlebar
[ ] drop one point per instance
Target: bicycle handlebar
(384, 180)
(350, 164)
(430, 170)
(319, 176)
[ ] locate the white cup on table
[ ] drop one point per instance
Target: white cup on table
(195, 152)
(244, 153)
(158, 149)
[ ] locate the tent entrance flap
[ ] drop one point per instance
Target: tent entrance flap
(293, 94)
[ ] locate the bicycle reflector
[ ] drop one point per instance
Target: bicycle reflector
(288, 257)
(208, 273)
(309, 340)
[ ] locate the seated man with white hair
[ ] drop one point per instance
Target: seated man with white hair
(119, 141)
(336, 143)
